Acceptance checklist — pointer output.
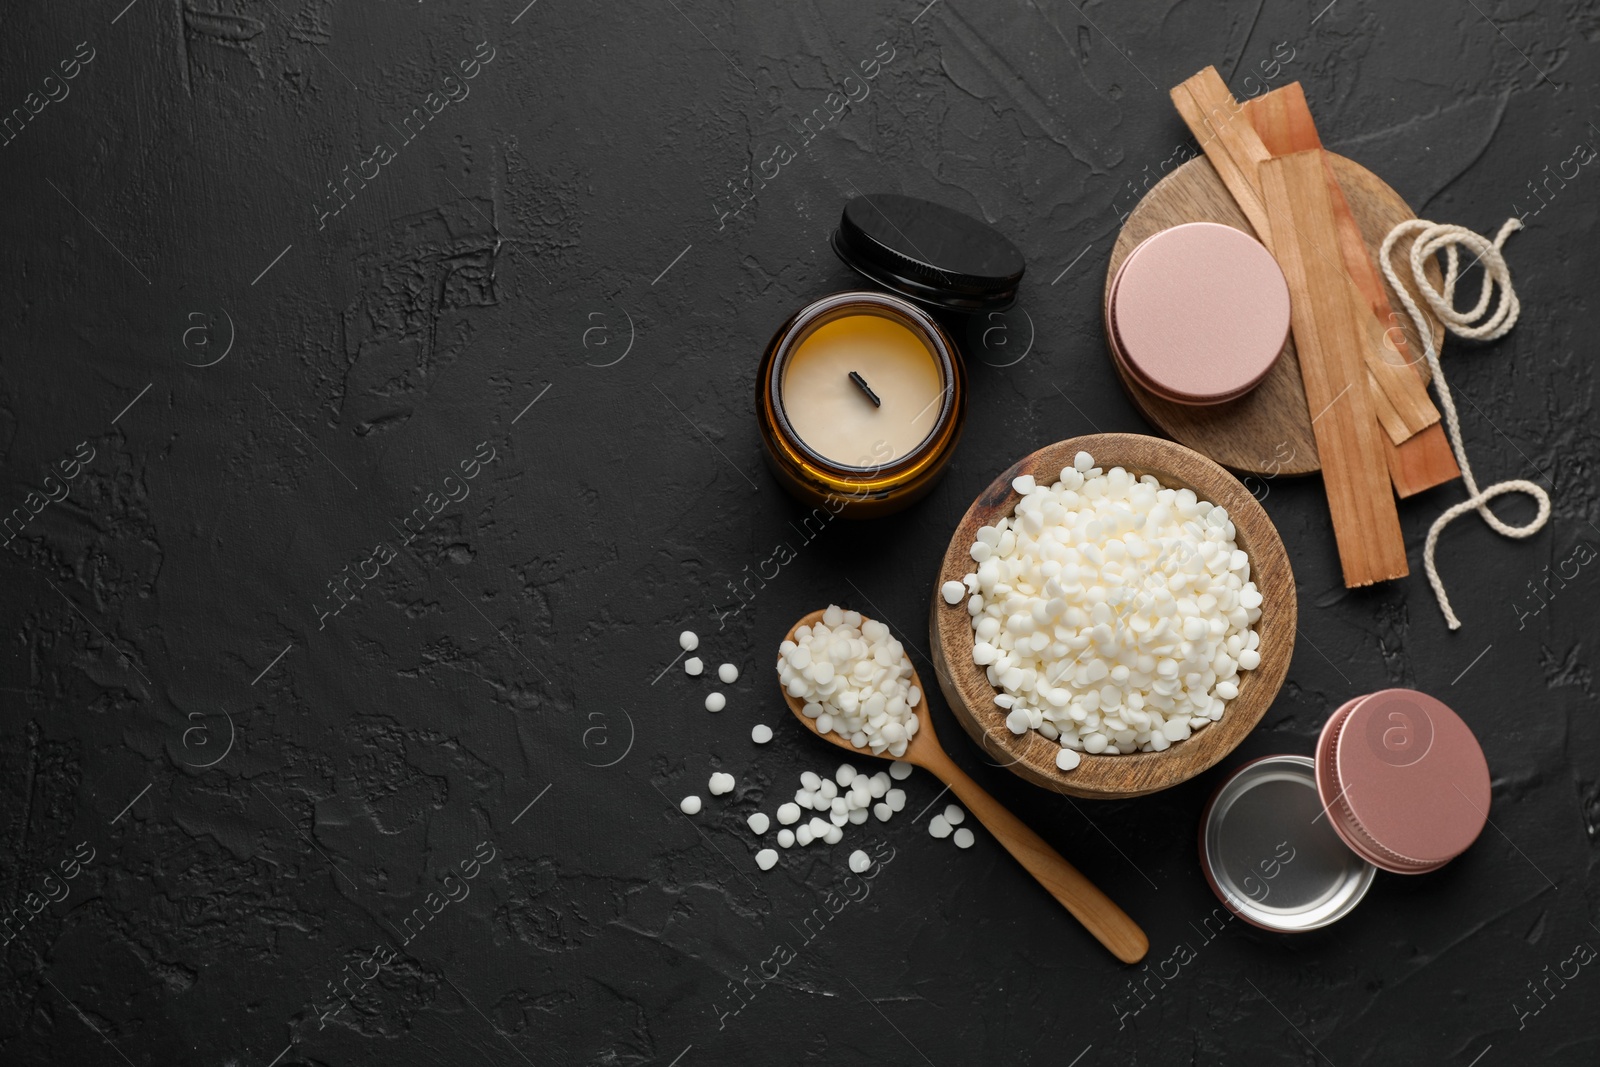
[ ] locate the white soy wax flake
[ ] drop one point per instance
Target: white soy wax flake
(845, 775)
(761, 733)
(767, 859)
(1112, 614)
(802, 836)
(692, 666)
(879, 784)
(720, 783)
(689, 805)
(860, 861)
(688, 640)
(963, 838)
(954, 815)
(758, 823)
(833, 836)
(896, 799)
(953, 593)
(786, 838)
(858, 816)
(716, 701)
(810, 781)
(854, 679)
(899, 770)
(883, 812)
(939, 826)
(788, 814)
(728, 673)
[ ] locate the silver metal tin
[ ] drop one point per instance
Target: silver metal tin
(1271, 856)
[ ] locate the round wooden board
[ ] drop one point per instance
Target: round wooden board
(1031, 755)
(1268, 430)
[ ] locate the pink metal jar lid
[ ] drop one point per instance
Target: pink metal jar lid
(1403, 780)
(1199, 312)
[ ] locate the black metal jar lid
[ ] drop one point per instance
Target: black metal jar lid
(930, 253)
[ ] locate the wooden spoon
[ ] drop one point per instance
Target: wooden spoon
(1102, 918)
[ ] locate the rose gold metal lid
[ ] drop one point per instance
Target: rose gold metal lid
(1403, 779)
(1199, 313)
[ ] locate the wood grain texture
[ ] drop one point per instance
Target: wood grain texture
(1282, 119)
(1329, 335)
(1099, 915)
(1229, 140)
(1418, 458)
(1033, 757)
(1268, 430)
(1423, 462)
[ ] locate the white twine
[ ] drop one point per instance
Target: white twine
(1432, 238)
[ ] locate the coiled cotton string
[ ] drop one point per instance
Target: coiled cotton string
(1432, 238)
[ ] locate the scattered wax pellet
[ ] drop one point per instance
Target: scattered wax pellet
(879, 785)
(1067, 759)
(882, 811)
(728, 673)
(758, 823)
(761, 733)
(689, 805)
(896, 799)
(939, 826)
(720, 783)
(953, 592)
(789, 814)
(954, 815)
(964, 838)
(786, 837)
(845, 775)
(802, 836)
(688, 641)
(692, 666)
(899, 770)
(716, 701)
(767, 859)
(810, 781)
(833, 836)
(860, 861)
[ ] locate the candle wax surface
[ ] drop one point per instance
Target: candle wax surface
(835, 417)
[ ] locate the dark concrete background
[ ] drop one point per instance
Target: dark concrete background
(268, 387)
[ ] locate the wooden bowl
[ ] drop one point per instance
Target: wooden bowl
(1032, 755)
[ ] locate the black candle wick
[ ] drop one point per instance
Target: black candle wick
(865, 388)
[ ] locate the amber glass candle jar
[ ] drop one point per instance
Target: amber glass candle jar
(861, 397)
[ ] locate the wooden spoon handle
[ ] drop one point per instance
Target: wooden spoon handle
(1108, 923)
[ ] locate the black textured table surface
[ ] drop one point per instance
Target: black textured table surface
(377, 408)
